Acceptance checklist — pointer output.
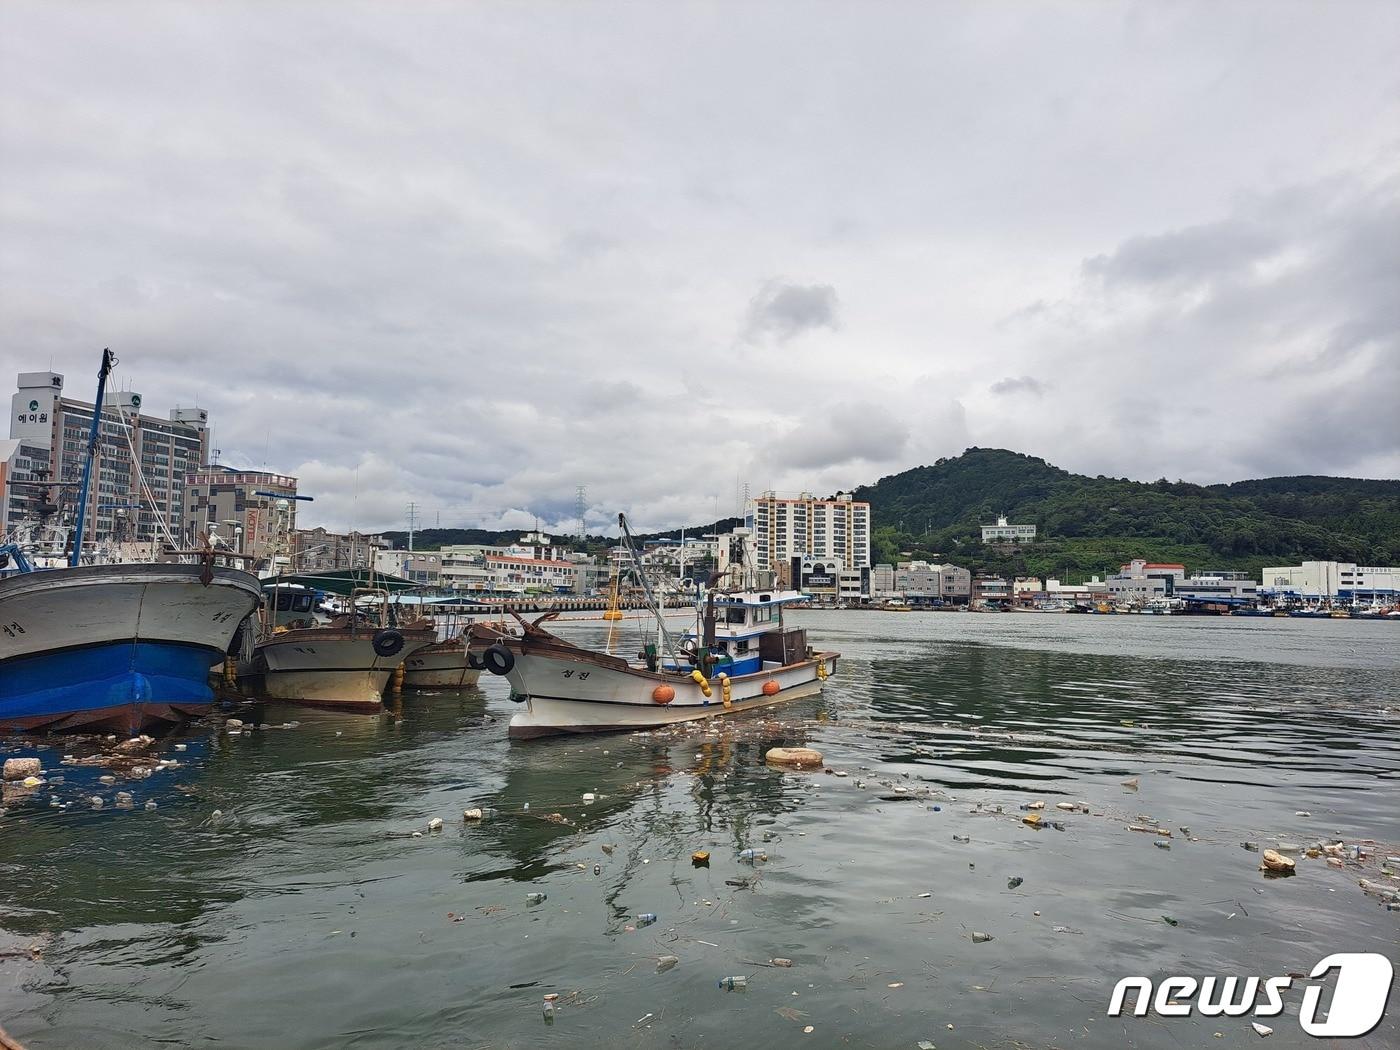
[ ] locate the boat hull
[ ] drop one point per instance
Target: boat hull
(442, 665)
(328, 667)
(118, 647)
(564, 694)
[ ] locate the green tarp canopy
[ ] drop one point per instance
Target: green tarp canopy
(343, 581)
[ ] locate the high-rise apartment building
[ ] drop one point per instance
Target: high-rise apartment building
(139, 471)
(823, 528)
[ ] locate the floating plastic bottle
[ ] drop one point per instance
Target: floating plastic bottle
(666, 962)
(548, 1012)
(978, 937)
(646, 918)
(750, 856)
(734, 984)
(536, 898)
(962, 838)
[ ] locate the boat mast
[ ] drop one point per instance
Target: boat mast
(107, 362)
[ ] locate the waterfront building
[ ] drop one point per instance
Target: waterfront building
(1141, 580)
(1216, 584)
(882, 582)
(1030, 591)
(784, 529)
(141, 465)
(320, 550)
(1331, 579)
(991, 589)
(225, 502)
(514, 574)
(1002, 532)
(919, 581)
(423, 567)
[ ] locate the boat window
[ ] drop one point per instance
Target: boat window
(303, 603)
(764, 615)
(734, 615)
(284, 602)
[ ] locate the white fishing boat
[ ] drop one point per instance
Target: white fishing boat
(344, 664)
(740, 657)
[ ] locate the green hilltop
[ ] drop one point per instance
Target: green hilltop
(1088, 525)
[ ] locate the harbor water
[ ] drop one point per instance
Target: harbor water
(287, 890)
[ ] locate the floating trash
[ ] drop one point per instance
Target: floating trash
(1276, 862)
(978, 937)
(734, 984)
(1162, 844)
(1170, 921)
(666, 962)
(435, 824)
(700, 858)
(962, 838)
(646, 918)
(1013, 882)
(536, 898)
(1264, 1030)
(473, 814)
(751, 856)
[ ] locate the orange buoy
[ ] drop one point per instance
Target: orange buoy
(771, 688)
(663, 694)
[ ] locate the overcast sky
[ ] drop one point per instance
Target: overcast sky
(476, 254)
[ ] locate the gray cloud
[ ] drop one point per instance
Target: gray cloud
(1019, 385)
(476, 255)
(840, 435)
(780, 311)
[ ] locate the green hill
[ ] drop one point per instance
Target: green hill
(1092, 525)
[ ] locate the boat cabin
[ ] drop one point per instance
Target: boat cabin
(747, 634)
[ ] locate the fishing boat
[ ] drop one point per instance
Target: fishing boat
(343, 664)
(121, 647)
(441, 665)
(741, 656)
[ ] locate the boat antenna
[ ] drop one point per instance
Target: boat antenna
(630, 543)
(108, 360)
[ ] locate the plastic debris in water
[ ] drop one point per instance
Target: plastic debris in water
(734, 984)
(1131, 783)
(962, 838)
(607, 847)
(646, 918)
(1162, 844)
(548, 1011)
(1169, 920)
(1032, 819)
(666, 962)
(978, 937)
(473, 814)
(536, 898)
(1014, 881)
(1264, 1030)
(597, 869)
(750, 856)
(1253, 847)
(700, 858)
(435, 824)
(780, 962)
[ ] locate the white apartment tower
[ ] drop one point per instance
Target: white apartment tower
(823, 528)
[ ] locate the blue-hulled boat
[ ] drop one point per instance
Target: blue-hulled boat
(119, 646)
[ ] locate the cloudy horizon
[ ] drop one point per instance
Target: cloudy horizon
(474, 256)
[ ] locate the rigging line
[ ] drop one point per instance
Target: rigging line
(141, 476)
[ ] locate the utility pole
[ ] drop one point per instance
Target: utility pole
(412, 522)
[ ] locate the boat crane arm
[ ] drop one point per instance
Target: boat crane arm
(12, 552)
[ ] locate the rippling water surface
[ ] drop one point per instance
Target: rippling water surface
(307, 914)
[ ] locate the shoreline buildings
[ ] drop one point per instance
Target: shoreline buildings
(822, 529)
(1002, 532)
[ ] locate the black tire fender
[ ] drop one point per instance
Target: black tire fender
(498, 659)
(475, 662)
(387, 642)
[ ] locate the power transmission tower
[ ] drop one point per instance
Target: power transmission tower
(581, 508)
(412, 523)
